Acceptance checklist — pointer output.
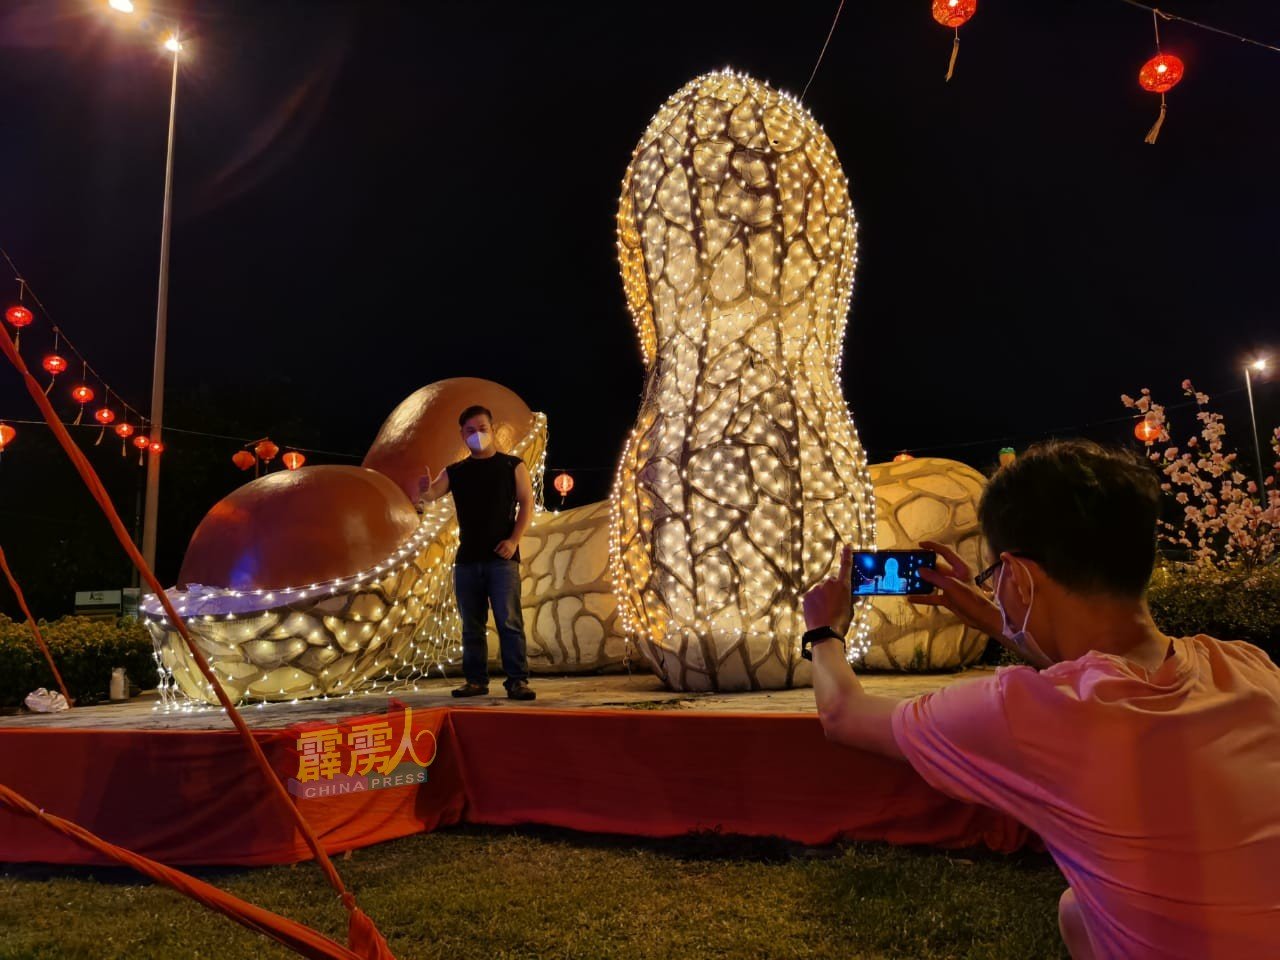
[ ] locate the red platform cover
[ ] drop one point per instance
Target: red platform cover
(196, 797)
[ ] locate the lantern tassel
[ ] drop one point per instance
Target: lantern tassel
(1154, 132)
(52, 380)
(955, 52)
(79, 416)
(101, 433)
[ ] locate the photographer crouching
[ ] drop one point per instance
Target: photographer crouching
(1149, 765)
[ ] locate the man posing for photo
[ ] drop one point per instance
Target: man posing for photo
(493, 498)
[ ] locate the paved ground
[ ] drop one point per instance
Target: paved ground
(639, 691)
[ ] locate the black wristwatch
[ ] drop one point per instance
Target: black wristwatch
(817, 635)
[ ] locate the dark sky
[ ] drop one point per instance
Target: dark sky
(373, 196)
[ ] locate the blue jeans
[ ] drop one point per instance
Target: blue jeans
(479, 586)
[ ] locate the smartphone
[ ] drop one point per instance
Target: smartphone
(891, 573)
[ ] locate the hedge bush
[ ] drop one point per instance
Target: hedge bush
(85, 651)
(1233, 604)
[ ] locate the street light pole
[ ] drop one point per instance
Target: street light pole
(1259, 365)
(152, 500)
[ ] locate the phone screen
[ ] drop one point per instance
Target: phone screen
(891, 573)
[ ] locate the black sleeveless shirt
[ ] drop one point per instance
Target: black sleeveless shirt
(484, 496)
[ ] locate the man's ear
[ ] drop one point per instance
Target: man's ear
(1020, 570)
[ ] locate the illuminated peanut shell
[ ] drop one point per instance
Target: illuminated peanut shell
(736, 241)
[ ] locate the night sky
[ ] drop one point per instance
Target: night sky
(373, 196)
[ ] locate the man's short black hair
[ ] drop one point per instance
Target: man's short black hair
(473, 411)
(1085, 513)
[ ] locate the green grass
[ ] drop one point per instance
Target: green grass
(532, 893)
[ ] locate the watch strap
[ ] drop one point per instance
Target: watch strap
(817, 635)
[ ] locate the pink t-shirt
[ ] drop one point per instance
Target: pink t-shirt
(1157, 795)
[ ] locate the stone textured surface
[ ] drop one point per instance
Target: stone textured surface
(924, 499)
(570, 615)
(736, 241)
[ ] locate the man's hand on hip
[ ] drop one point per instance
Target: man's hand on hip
(506, 549)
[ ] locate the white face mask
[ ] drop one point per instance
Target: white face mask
(1022, 641)
(479, 441)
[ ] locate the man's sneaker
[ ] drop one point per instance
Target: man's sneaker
(470, 689)
(520, 691)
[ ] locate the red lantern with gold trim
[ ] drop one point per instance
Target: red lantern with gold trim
(18, 316)
(243, 459)
(155, 446)
(82, 395)
(293, 460)
(953, 14)
(142, 441)
(266, 450)
(1159, 75)
(54, 364)
(563, 484)
(124, 430)
(7, 433)
(104, 415)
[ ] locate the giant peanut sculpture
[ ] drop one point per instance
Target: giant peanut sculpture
(743, 472)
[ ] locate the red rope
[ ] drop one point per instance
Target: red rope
(361, 928)
(44, 647)
(295, 936)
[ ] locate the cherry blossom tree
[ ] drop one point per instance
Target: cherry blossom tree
(1226, 521)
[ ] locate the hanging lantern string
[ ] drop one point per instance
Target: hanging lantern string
(823, 53)
(60, 337)
(559, 468)
(1202, 26)
(222, 436)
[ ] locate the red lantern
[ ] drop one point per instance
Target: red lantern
(243, 459)
(104, 416)
(124, 430)
(1147, 431)
(141, 441)
(82, 394)
(953, 13)
(266, 451)
(903, 457)
(54, 364)
(7, 433)
(156, 446)
(18, 316)
(293, 460)
(563, 484)
(1161, 73)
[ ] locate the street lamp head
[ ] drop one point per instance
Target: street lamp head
(172, 44)
(124, 6)
(1259, 364)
